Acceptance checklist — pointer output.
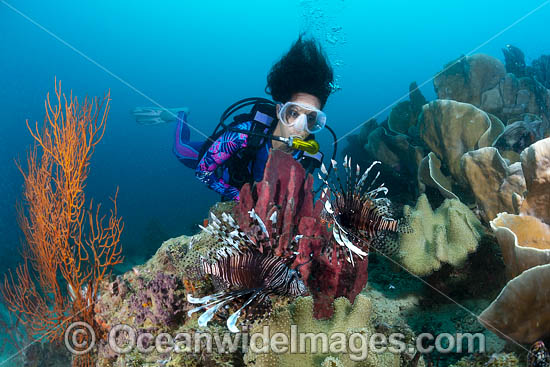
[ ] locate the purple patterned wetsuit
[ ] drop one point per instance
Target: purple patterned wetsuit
(221, 150)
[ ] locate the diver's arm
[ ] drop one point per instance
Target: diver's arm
(219, 152)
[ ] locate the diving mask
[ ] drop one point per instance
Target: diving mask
(303, 116)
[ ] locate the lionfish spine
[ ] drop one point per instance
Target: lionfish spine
(358, 216)
(244, 271)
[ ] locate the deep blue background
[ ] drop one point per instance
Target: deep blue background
(206, 55)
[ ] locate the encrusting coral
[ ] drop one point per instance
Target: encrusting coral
(447, 235)
(158, 300)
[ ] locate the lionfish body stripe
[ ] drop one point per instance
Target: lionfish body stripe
(361, 218)
(248, 274)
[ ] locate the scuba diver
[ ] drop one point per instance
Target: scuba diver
(236, 153)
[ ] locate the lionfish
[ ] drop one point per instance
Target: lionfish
(248, 272)
(538, 355)
(360, 219)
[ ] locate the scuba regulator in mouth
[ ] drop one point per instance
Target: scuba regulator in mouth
(264, 120)
(308, 146)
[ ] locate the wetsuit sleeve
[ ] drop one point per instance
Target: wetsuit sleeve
(220, 151)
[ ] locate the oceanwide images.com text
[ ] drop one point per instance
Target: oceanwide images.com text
(124, 339)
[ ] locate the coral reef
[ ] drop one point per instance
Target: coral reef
(447, 235)
(345, 321)
(521, 312)
(540, 70)
(493, 360)
(157, 301)
(483, 142)
(285, 189)
(524, 236)
(429, 174)
(519, 135)
(405, 114)
(514, 60)
(524, 241)
(469, 78)
(535, 161)
(456, 150)
(482, 81)
(451, 128)
(162, 284)
(493, 182)
(395, 151)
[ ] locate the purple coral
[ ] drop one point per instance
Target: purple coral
(159, 300)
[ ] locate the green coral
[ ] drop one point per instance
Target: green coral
(347, 319)
(444, 236)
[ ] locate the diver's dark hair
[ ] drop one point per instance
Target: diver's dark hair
(303, 69)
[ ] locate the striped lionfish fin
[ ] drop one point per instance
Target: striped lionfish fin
(227, 232)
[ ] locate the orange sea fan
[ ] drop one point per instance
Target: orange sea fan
(68, 244)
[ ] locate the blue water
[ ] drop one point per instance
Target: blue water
(206, 55)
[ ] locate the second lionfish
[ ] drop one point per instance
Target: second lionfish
(248, 271)
(360, 219)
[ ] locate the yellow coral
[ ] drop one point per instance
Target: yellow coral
(347, 319)
(444, 236)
